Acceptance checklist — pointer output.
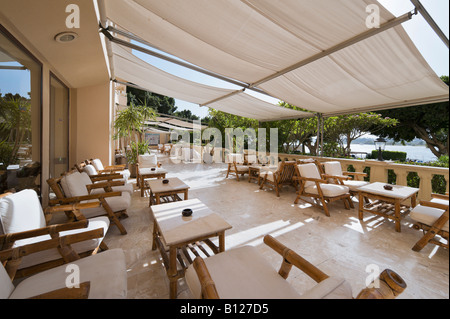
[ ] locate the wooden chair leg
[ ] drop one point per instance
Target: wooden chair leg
(325, 207)
(431, 233)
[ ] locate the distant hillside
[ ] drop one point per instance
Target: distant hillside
(370, 140)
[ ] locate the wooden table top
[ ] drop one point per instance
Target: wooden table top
(176, 229)
(397, 191)
(174, 184)
(148, 171)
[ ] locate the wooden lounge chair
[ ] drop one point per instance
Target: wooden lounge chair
(23, 220)
(432, 218)
(236, 165)
(75, 187)
(333, 172)
(101, 276)
(243, 273)
(97, 163)
(284, 175)
(314, 186)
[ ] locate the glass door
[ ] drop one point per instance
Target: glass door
(59, 127)
(20, 116)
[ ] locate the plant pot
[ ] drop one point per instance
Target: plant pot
(133, 170)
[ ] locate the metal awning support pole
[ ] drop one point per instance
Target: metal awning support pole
(321, 134)
(430, 21)
(318, 134)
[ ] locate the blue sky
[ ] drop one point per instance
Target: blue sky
(428, 43)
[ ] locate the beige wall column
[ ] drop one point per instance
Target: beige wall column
(92, 123)
(378, 171)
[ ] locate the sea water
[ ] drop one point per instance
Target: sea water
(419, 153)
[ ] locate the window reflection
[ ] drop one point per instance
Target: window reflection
(20, 116)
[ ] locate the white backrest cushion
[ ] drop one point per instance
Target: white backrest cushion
(74, 184)
(235, 158)
(251, 159)
(6, 286)
(333, 168)
(90, 169)
(21, 211)
(148, 160)
(98, 164)
(309, 170)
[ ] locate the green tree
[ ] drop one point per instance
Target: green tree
(427, 122)
(160, 103)
(344, 129)
(15, 121)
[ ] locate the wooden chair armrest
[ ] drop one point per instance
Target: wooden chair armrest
(105, 177)
(292, 258)
(300, 178)
(12, 237)
(209, 290)
(74, 208)
(67, 293)
(78, 199)
(11, 257)
(115, 167)
(355, 173)
(440, 196)
(341, 178)
(105, 184)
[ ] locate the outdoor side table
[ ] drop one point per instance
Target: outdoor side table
(166, 192)
(386, 203)
(174, 235)
(147, 172)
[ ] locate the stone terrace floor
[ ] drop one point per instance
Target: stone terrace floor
(339, 245)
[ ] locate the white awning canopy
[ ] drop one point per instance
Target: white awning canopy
(317, 55)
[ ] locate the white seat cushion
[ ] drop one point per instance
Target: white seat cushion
(242, 168)
(74, 184)
(242, 273)
(427, 215)
(439, 201)
(270, 175)
(90, 170)
(235, 158)
(128, 188)
(98, 164)
(21, 211)
(333, 168)
(105, 271)
(117, 204)
(330, 288)
(6, 286)
(328, 190)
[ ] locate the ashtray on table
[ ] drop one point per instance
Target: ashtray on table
(186, 212)
(165, 181)
(388, 187)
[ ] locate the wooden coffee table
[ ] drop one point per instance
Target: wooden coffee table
(147, 172)
(386, 203)
(168, 192)
(174, 235)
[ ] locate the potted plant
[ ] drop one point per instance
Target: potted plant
(129, 124)
(133, 153)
